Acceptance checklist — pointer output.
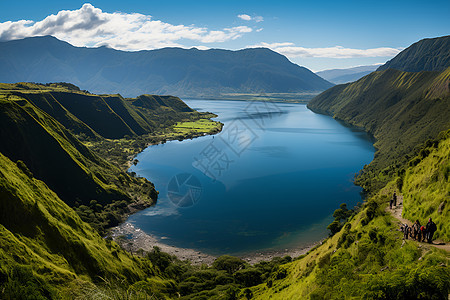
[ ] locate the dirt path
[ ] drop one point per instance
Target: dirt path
(396, 211)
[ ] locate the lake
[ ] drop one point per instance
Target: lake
(270, 180)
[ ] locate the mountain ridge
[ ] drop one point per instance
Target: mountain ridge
(430, 54)
(340, 76)
(174, 71)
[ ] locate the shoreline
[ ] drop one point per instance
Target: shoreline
(136, 240)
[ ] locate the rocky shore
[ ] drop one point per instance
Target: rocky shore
(135, 240)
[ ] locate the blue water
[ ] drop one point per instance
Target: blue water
(271, 180)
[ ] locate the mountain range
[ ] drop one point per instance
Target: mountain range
(339, 76)
(168, 71)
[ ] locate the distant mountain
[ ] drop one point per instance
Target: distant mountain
(425, 55)
(339, 76)
(174, 71)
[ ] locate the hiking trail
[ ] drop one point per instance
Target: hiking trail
(396, 211)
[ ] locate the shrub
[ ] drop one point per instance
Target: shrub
(228, 263)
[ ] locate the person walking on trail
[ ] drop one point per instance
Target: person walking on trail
(422, 234)
(430, 229)
(394, 199)
(391, 202)
(416, 235)
(406, 231)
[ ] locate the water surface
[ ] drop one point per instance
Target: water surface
(270, 181)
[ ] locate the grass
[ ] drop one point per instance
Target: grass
(40, 231)
(426, 186)
(198, 126)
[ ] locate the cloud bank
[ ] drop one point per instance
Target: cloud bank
(90, 26)
(292, 51)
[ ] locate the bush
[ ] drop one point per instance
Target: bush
(160, 259)
(248, 277)
(228, 263)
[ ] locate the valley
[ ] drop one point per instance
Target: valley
(74, 164)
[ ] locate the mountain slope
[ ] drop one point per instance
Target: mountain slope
(43, 238)
(425, 186)
(339, 76)
(102, 193)
(400, 109)
(425, 55)
(110, 116)
(174, 71)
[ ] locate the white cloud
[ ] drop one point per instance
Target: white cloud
(291, 51)
(90, 26)
(258, 19)
(246, 17)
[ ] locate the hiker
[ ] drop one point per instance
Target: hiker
(391, 202)
(416, 235)
(422, 234)
(394, 199)
(406, 231)
(430, 229)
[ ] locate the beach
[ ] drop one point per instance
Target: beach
(134, 240)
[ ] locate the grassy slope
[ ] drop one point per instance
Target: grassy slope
(56, 156)
(426, 187)
(40, 231)
(368, 259)
(402, 110)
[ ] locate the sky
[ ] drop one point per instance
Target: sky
(317, 34)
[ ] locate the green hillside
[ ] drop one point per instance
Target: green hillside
(426, 185)
(425, 55)
(400, 109)
(55, 156)
(44, 245)
(110, 116)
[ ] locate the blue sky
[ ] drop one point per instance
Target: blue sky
(316, 34)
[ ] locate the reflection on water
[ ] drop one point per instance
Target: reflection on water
(270, 180)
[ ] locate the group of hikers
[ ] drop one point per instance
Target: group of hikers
(417, 232)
